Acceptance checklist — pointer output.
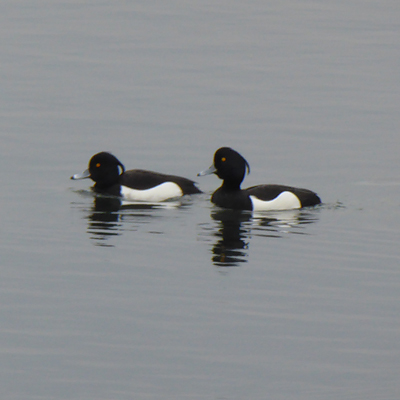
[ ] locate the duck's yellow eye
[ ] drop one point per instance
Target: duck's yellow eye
(223, 159)
(98, 165)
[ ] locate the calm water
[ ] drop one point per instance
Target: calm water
(100, 300)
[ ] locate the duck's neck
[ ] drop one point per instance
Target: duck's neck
(231, 185)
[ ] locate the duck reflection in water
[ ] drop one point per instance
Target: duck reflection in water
(109, 215)
(103, 221)
(235, 229)
(230, 250)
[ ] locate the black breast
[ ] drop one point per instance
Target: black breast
(234, 199)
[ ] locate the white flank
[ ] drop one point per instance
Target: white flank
(285, 201)
(165, 191)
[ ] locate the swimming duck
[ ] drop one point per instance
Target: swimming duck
(231, 167)
(134, 185)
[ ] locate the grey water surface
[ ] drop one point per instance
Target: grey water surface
(183, 300)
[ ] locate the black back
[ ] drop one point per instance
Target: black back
(269, 192)
(141, 179)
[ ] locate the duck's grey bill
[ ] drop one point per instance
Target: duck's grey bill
(83, 175)
(208, 171)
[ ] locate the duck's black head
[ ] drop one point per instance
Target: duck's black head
(104, 169)
(230, 166)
